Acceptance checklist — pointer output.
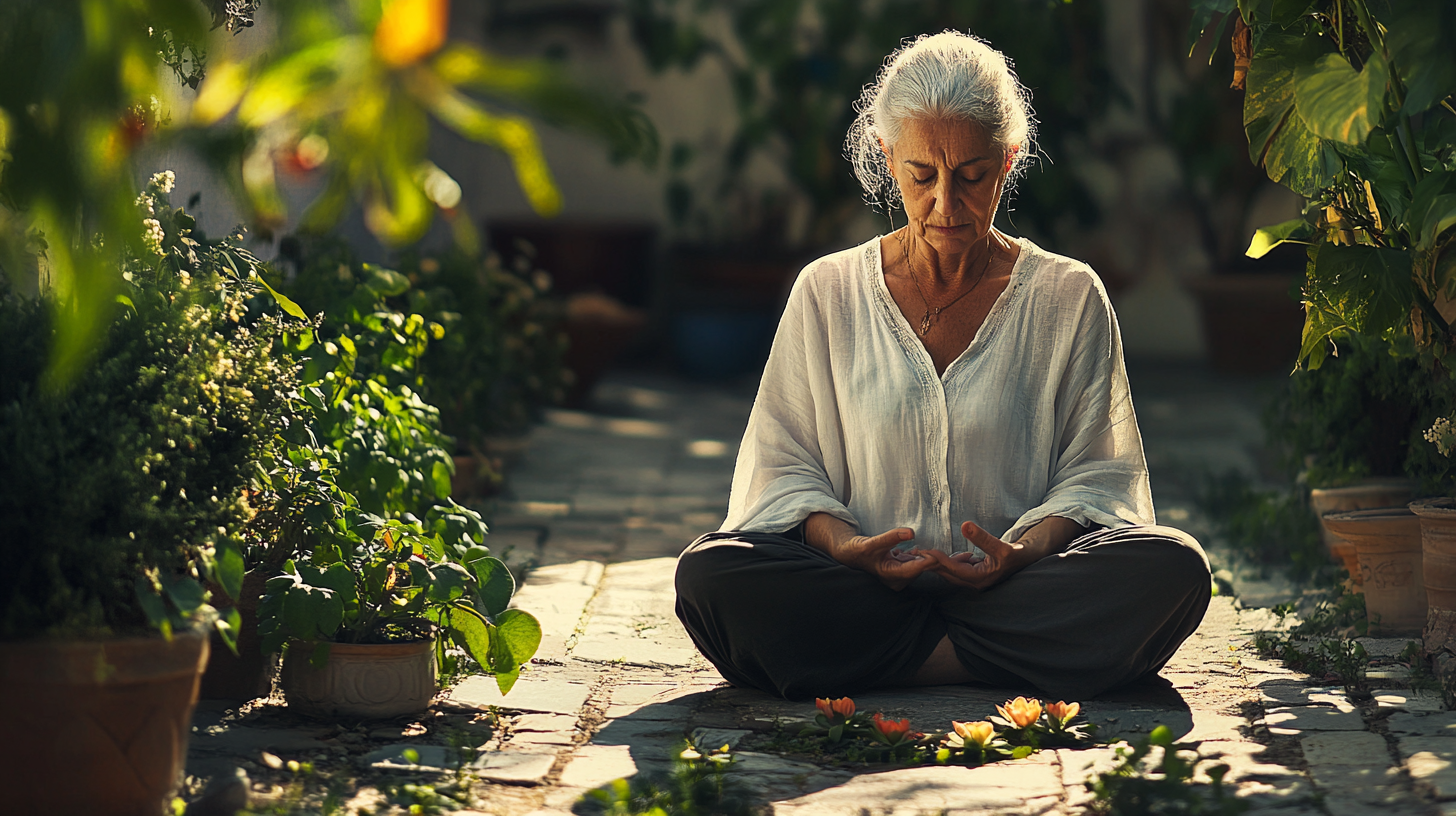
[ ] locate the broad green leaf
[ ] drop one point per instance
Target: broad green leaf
(520, 632)
(186, 594)
(320, 655)
(497, 585)
(1337, 103)
(1300, 160)
(1285, 13)
(1161, 735)
(1022, 751)
(1428, 206)
(1278, 139)
(1266, 238)
(228, 568)
(471, 632)
(440, 479)
(449, 581)
(1420, 41)
(1368, 288)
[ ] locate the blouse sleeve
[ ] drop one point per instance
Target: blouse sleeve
(792, 462)
(1098, 472)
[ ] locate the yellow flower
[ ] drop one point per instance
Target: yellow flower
(1063, 712)
(978, 732)
(411, 30)
(1021, 712)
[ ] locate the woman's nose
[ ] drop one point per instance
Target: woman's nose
(945, 200)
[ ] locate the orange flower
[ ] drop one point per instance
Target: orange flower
(978, 732)
(1063, 712)
(411, 30)
(1021, 712)
(892, 730)
(843, 707)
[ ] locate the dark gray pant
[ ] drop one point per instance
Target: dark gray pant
(776, 614)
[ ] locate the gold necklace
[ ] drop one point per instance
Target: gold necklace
(934, 312)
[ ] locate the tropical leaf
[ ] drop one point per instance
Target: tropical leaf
(1338, 103)
(1419, 39)
(1279, 141)
(1266, 238)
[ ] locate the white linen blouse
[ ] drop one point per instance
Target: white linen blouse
(1033, 419)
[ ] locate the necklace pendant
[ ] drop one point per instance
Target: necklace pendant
(925, 324)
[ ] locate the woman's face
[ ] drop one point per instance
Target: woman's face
(951, 175)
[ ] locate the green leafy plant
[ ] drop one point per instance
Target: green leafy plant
(1139, 785)
(1347, 102)
(130, 489)
(699, 784)
(378, 580)
(365, 381)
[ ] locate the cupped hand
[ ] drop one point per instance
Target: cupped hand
(1001, 560)
(877, 555)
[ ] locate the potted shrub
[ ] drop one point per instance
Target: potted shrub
(360, 615)
(125, 494)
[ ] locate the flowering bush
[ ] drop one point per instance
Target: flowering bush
(128, 488)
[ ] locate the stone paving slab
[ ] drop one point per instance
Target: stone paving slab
(558, 595)
(550, 695)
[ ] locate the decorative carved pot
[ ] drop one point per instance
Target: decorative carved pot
(1387, 545)
(1438, 547)
(1367, 495)
(97, 727)
(369, 680)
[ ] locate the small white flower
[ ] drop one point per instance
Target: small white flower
(165, 181)
(146, 202)
(153, 235)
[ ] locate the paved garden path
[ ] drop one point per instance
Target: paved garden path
(600, 504)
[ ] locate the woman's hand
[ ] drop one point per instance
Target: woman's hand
(1002, 559)
(874, 554)
(877, 555)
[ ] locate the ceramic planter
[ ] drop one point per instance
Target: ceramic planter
(365, 680)
(97, 727)
(1366, 495)
(1438, 544)
(1387, 545)
(249, 673)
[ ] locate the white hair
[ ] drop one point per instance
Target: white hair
(950, 75)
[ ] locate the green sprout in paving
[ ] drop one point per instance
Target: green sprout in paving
(1139, 785)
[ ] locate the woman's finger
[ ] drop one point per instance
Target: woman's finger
(989, 544)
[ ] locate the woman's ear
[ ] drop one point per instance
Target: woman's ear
(1010, 156)
(886, 151)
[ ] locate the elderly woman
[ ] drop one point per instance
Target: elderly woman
(942, 479)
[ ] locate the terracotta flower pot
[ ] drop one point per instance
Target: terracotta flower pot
(1438, 545)
(1388, 546)
(249, 673)
(97, 727)
(1367, 495)
(367, 680)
